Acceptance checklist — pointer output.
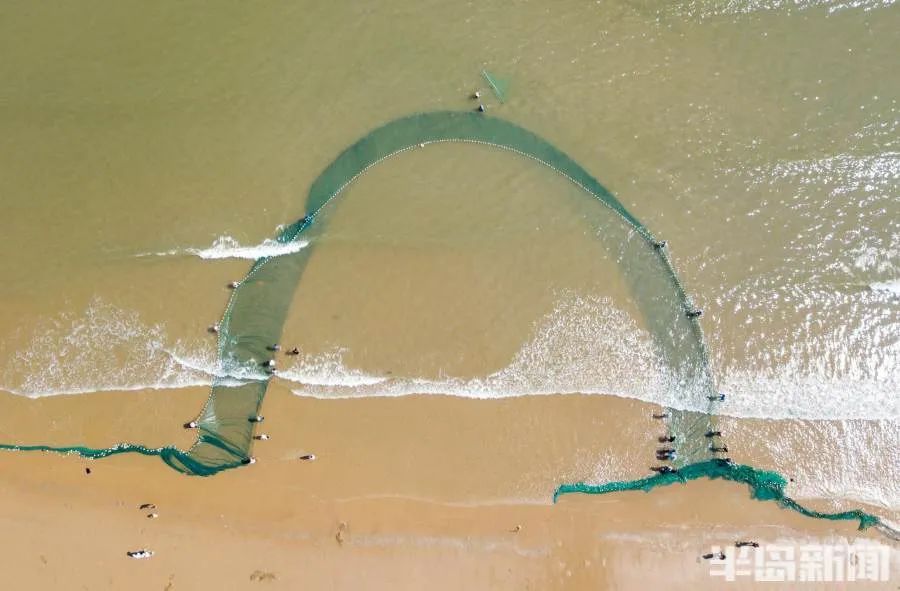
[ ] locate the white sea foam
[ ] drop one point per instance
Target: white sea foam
(587, 346)
(226, 247)
(848, 459)
(103, 349)
(584, 345)
(750, 395)
(707, 9)
(227, 373)
(327, 371)
(787, 391)
(886, 286)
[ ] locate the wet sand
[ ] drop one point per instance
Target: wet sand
(415, 501)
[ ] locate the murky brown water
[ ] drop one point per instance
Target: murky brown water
(760, 139)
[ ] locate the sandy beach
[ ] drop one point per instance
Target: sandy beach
(370, 511)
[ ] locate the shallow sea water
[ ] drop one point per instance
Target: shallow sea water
(149, 151)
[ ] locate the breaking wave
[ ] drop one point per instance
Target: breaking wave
(226, 247)
(584, 345)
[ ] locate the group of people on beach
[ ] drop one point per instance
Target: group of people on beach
(669, 454)
(269, 365)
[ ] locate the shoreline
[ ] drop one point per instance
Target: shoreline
(429, 490)
(598, 458)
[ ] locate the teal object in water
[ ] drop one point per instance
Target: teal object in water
(500, 87)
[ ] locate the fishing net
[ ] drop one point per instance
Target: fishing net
(255, 314)
(256, 311)
(764, 486)
(499, 86)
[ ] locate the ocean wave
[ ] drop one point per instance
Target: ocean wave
(327, 371)
(749, 396)
(96, 388)
(226, 247)
(105, 348)
(585, 346)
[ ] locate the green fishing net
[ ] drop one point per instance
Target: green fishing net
(256, 312)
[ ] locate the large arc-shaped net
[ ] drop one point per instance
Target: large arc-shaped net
(256, 312)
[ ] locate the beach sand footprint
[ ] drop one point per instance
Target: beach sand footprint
(341, 534)
(258, 576)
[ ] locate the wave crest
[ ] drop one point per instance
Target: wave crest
(226, 247)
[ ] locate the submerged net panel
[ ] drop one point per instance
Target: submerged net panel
(251, 325)
(678, 342)
(498, 86)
